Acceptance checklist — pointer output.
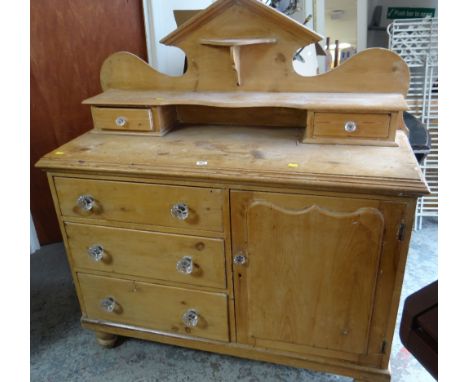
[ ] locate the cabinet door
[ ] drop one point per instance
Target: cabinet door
(310, 273)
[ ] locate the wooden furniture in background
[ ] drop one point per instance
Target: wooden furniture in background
(69, 41)
(419, 327)
(241, 208)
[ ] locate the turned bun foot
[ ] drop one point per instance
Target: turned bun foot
(106, 340)
(381, 378)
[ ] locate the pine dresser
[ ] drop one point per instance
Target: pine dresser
(241, 208)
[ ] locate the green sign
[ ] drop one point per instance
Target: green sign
(409, 13)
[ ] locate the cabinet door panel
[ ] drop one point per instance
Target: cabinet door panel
(311, 270)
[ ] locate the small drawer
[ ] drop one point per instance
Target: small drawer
(362, 126)
(152, 306)
(179, 258)
(122, 119)
(141, 203)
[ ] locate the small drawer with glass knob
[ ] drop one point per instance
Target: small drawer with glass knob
(168, 309)
(122, 119)
(352, 128)
(177, 258)
(194, 208)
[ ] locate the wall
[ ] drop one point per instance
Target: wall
(159, 19)
(380, 38)
(343, 28)
(351, 28)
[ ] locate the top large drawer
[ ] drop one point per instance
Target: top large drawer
(171, 206)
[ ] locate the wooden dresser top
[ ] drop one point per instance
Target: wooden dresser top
(239, 155)
(248, 64)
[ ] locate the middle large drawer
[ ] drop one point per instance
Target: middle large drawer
(172, 257)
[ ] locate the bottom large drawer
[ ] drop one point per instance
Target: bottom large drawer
(152, 306)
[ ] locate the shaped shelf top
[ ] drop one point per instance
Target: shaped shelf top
(237, 41)
(377, 102)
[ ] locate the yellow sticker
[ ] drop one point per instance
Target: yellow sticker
(293, 165)
(59, 153)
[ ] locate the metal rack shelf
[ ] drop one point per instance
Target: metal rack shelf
(415, 40)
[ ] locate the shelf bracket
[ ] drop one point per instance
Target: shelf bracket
(235, 57)
(235, 45)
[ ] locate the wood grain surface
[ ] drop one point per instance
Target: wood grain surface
(373, 70)
(142, 203)
(105, 118)
(156, 306)
(334, 210)
(351, 102)
(311, 269)
(367, 125)
(256, 67)
(148, 254)
(245, 154)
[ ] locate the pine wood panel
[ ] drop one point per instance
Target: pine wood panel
(264, 67)
(398, 228)
(156, 307)
(236, 41)
(142, 203)
(373, 70)
(238, 154)
(165, 119)
(69, 42)
(351, 102)
(311, 270)
(136, 119)
(264, 116)
(368, 125)
(148, 254)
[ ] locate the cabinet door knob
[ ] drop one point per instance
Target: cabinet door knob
(96, 252)
(350, 127)
(110, 305)
(185, 265)
(180, 211)
(121, 121)
(240, 259)
(85, 202)
(190, 318)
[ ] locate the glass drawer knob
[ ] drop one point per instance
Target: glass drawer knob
(180, 211)
(350, 127)
(240, 259)
(110, 305)
(190, 318)
(121, 121)
(185, 265)
(85, 202)
(96, 252)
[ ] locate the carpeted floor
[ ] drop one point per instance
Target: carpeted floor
(62, 351)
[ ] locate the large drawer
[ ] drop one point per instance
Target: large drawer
(167, 309)
(179, 258)
(171, 206)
